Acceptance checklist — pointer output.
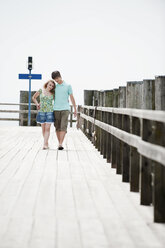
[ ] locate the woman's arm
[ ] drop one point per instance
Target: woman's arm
(34, 98)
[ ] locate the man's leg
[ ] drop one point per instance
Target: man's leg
(57, 123)
(61, 137)
(64, 124)
(58, 136)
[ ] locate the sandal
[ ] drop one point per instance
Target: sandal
(60, 148)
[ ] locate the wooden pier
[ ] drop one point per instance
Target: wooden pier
(106, 189)
(67, 199)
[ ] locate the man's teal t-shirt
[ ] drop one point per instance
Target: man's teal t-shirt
(62, 92)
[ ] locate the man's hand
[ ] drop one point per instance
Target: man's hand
(75, 114)
(74, 105)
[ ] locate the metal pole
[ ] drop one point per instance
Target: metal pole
(29, 107)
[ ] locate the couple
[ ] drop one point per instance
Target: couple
(54, 108)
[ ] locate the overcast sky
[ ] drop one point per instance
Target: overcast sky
(96, 44)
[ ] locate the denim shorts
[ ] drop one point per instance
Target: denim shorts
(45, 117)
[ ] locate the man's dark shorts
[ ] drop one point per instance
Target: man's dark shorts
(61, 120)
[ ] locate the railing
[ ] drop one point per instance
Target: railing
(22, 118)
(133, 141)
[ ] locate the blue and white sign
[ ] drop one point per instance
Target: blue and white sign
(27, 76)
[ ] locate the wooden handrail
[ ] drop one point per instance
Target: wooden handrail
(133, 140)
(17, 104)
(155, 115)
(151, 151)
(71, 120)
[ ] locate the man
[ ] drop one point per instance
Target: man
(61, 107)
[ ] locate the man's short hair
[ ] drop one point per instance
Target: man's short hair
(55, 74)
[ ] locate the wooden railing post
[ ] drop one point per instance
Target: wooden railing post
(114, 123)
(101, 134)
(90, 125)
(119, 147)
(104, 136)
(108, 96)
(108, 102)
(24, 117)
(98, 131)
(160, 93)
(125, 150)
(134, 94)
(113, 146)
(88, 97)
(159, 192)
(159, 176)
(101, 94)
(119, 143)
(146, 165)
(109, 138)
(122, 97)
(134, 157)
(148, 94)
(115, 98)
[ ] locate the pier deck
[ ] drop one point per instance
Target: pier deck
(67, 199)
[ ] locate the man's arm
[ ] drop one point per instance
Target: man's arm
(74, 104)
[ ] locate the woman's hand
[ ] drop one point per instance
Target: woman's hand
(75, 114)
(38, 106)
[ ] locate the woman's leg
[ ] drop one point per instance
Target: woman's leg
(43, 129)
(47, 134)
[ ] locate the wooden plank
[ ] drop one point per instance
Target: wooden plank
(45, 201)
(14, 187)
(27, 198)
(117, 234)
(12, 167)
(93, 233)
(70, 203)
(18, 233)
(104, 206)
(68, 235)
(43, 233)
(8, 146)
(65, 206)
(128, 232)
(84, 205)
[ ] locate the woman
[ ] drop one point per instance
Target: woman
(45, 114)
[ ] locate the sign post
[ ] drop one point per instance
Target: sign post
(29, 106)
(30, 77)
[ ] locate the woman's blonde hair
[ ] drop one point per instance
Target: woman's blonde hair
(53, 90)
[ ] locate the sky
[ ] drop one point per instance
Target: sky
(95, 44)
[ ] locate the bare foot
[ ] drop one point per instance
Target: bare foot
(45, 147)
